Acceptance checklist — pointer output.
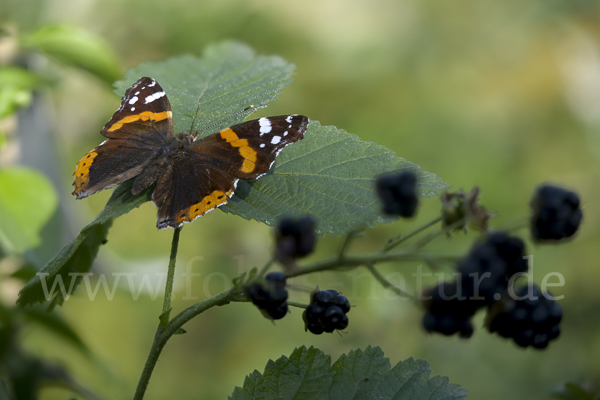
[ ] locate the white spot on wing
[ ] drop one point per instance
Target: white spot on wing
(152, 97)
(276, 139)
(289, 119)
(152, 84)
(262, 145)
(265, 125)
(133, 100)
(138, 92)
(285, 133)
(132, 108)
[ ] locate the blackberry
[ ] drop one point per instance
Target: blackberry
(487, 269)
(272, 300)
(556, 213)
(294, 238)
(398, 192)
(448, 310)
(326, 312)
(532, 318)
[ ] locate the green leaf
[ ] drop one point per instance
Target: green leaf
(27, 201)
(76, 47)
(308, 374)
(16, 86)
(214, 89)
(57, 280)
(330, 174)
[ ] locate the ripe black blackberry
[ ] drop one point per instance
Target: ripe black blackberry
(398, 192)
(272, 299)
(326, 312)
(294, 238)
(556, 213)
(531, 318)
(449, 311)
(487, 269)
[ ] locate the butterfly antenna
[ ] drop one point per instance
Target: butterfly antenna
(223, 120)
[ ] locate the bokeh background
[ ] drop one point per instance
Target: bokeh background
(502, 95)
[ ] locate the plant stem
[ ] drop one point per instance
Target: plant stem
(163, 334)
(402, 238)
(387, 284)
(353, 262)
(157, 346)
(166, 310)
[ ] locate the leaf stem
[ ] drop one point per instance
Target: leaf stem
(350, 262)
(402, 238)
(387, 284)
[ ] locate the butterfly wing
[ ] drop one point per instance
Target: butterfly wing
(206, 174)
(138, 129)
(248, 150)
(190, 188)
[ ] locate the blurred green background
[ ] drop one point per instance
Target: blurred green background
(503, 95)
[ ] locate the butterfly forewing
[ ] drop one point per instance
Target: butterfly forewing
(145, 112)
(248, 150)
(141, 125)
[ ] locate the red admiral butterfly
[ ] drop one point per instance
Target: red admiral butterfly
(192, 176)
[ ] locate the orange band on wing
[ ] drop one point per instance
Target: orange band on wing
(208, 203)
(144, 116)
(246, 151)
(82, 172)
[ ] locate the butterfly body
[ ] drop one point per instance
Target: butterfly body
(192, 176)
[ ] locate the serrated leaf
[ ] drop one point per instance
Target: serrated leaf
(213, 90)
(61, 275)
(307, 374)
(76, 47)
(330, 174)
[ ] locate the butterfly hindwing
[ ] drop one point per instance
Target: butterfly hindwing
(190, 189)
(142, 124)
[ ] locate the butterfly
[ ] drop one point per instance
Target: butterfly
(191, 176)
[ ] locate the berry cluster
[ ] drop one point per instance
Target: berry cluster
(272, 300)
(326, 312)
(556, 213)
(448, 310)
(483, 278)
(294, 238)
(398, 193)
(487, 269)
(531, 318)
